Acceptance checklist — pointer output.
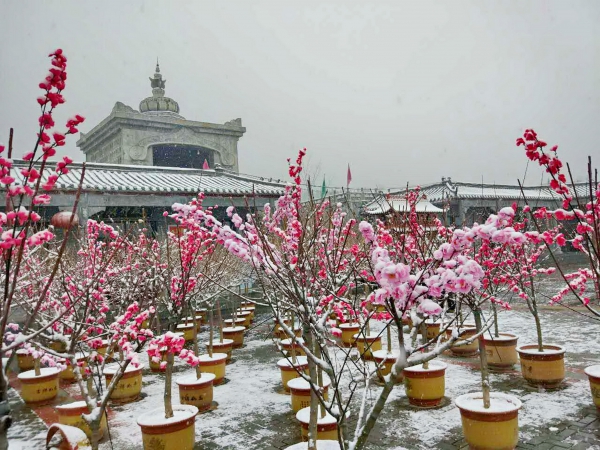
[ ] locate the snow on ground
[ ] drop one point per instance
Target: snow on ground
(253, 413)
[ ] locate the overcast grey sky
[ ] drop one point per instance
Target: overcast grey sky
(402, 91)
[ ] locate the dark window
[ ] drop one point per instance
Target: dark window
(186, 156)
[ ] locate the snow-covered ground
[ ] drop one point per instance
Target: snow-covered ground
(253, 413)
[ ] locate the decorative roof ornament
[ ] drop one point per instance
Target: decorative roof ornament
(158, 104)
(157, 83)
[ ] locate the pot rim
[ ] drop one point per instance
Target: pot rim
(593, 371)
(233, 329)
(149, 419)
(324, 444)
(509, 399)
(385, 355)
(305, 385)
(502, 337)
(216, 357)
(303, 416)
(554, 349)
(45, 372)
(218, 342)
(301, 361)
(112, 369)
(434, 366)
(363, 337)
(191, 380)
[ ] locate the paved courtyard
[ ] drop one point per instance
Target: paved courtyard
(254, 413)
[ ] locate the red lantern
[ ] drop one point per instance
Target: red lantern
(63, 219)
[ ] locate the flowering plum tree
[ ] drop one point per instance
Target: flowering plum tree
(580, 210)
(25, 191)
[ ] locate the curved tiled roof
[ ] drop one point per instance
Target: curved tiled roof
(161, 180)
(458, 190)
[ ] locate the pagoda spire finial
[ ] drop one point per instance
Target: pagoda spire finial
(157, 83)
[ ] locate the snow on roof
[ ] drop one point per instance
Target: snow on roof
(161, 180)
(440, 191)
(399, 204)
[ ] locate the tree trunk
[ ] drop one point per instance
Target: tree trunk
(314, 399)
(496, 328)
(96, 433)
(485, 374)
(389, 336)
(424, 340)
(211, 333)
(220, 319)
(197, 349)
(5, 417)
(381, 400)
(168, 382)
(538, 328)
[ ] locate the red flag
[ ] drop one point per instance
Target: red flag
(205, 166)
(349, 177)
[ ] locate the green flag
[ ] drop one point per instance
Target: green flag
(323, 189)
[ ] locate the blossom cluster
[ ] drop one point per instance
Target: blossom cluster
(170, 343)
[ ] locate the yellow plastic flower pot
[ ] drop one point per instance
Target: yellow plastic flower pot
(348, 332)
(196, 391)
(433, 329)
(70, 414)
(197, 320)
(239, 322)
(288, 344)
(57, 346)
(236, 334)
(41, 389)
(188, 331)
(246, 316)
(251, 310)
(496, 428)
(103, 349)
(545, 369)
(155, 367)
(327, 427)
(501, 351)
(290, 371)
(470, 349)
(214, 365)
(175, 433)
(24, 360)
(366, 345)
(68, 375)
(129, 386)
(278, 331)
(202, 313)
(593, 373)
(385, 361)
(425, 387)
(222, 347)
(300, 390)
(297, 332)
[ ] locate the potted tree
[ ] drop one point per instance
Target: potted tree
(25, 190)
(173, 425)
(579, 217)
